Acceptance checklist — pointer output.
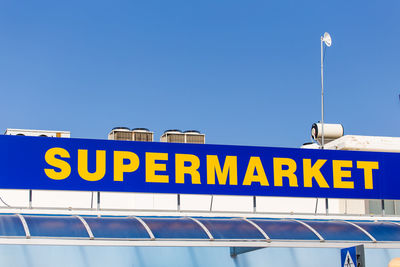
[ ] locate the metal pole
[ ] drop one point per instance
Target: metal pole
(254, 204)
(322, 109)
(326, 206)
(30, 199)
(178, 202)
(98, 200)
(91, 201)
(322, 93)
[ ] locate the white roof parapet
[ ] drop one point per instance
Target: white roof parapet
(310, 146)
(365, 143)
(361, 143)
(36, 131)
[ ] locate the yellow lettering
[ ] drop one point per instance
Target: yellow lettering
(65, 168)
(213, 167)
(152, 167)
(368, 166)
(181, 169)
(311, 172)
(338, 174)
(83, 165)
(279, 172)
(120, 168)
(255, 165)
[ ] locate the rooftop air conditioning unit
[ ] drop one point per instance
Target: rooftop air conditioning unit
(142, 134)
(41, 133)
(120, 133)
(173, 136)
(194, 137)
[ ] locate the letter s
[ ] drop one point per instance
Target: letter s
(65, 168)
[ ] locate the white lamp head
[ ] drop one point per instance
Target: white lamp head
(327, 39)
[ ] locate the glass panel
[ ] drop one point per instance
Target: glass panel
(382, 231)
(397, 206)
(56, 226)
(280, 229)
(109, 227)
(182, 228)
(389, 207)
(336, 230)
(375, 206)
(231, 229)
(11, 225)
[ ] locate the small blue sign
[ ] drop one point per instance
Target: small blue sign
(154, 167)
(349, 258)
(353, 256)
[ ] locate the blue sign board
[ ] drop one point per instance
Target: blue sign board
(348, 256)
(126, 166)
(352, 256)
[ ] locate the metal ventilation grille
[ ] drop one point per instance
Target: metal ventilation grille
(175, 138)
(144, 137)
(126, 136)
(195, 138)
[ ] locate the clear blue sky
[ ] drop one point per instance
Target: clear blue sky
(243, 72)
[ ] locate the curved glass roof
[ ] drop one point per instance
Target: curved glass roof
(175, 228)
(382, 231)
(338, 231)
(196, 229)
(285, 230)
(56, 226)
(231, 229)
(11, 225)
(118, 228)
